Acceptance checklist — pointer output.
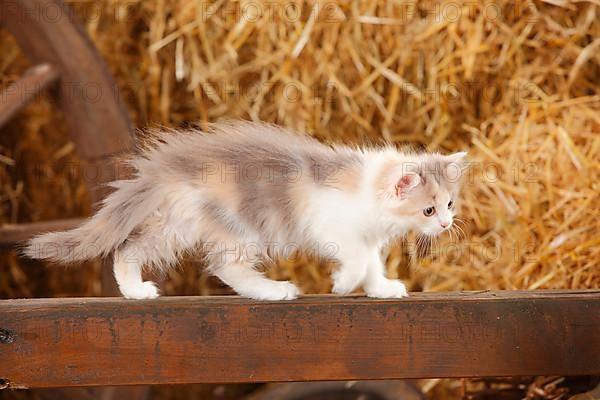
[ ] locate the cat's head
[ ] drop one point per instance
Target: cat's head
(422, 191)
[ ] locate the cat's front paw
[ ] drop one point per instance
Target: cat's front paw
(387, 289)
(276, 290)
(142, 291)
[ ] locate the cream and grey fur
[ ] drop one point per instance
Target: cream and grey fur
(242, 192)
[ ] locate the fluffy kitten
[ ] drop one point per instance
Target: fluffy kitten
(243, 190)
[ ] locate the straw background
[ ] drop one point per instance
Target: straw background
(517, 84)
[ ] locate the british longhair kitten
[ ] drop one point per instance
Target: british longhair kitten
(241, 193)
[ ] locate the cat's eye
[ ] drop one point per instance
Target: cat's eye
(450, 204)
(429, 211)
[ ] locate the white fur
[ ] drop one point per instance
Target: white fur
(128, 274)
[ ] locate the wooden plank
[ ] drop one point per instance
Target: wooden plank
(112, 341)
(19, 93)
(11, 234)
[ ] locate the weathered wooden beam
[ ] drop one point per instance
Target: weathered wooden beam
(111, 341)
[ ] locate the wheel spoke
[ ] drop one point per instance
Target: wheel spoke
(11, 234)
(18, 94)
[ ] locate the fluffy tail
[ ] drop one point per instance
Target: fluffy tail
(121, 212)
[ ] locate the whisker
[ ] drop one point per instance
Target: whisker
(462, 232)
(433, 244)
(423, 246)
(456, 232)
(452, 232)
(420, 245)
(414, 254)
(461, 221)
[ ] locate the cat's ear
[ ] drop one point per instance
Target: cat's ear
(457, 158)
(456, 164)
(406, 183)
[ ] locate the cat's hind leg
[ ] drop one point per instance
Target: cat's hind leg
(248, 282)
(157, 244)
(128, 273)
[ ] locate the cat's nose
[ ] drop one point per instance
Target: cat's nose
(444, 224)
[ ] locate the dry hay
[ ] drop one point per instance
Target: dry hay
(514, 83)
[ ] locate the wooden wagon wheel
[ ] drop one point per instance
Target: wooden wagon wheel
(63, 56)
